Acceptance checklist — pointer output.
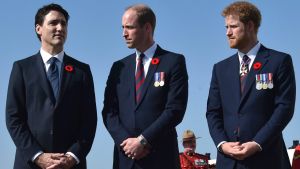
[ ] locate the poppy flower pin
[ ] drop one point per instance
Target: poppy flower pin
(69, 68)
(257, 65)
(155, 61)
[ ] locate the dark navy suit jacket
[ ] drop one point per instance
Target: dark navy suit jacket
(37, 123)
(155, 116)
(260, 115)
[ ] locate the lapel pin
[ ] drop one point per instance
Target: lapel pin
(69, 68)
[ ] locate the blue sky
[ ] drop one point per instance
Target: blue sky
(193, 28)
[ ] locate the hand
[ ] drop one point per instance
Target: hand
(231, 148)
(67, 162)
(248, 149)
(134, 149)
(70, 162)
(46, 160)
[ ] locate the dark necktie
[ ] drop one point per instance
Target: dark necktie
(244, 71)
(139, 77)
(53, 76)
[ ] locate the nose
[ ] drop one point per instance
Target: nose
(124, 33)
(228, 32)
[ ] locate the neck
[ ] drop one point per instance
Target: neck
(52, 50)
(251, 43)
(146, 46)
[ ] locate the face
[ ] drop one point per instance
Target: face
(134, 34)
(190, 144)
(236, 32)
(53, 31)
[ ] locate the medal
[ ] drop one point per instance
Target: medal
(156, 79)
(270, 85)
(270, 81)
(162, 79)
(265, 85)
(258, 82)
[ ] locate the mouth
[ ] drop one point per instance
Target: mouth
(59, 36)
(127, 41)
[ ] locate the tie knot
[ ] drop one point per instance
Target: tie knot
(52, 60)
(246, 59)
(141, 57)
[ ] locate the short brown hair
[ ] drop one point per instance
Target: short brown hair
(246, 12)
(42, 12)
(144, 13)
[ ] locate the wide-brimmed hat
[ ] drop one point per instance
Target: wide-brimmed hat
(188, 135)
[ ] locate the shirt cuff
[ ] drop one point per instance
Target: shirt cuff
(74, 156)
(260, 148)
(36, 155)
(219, 146)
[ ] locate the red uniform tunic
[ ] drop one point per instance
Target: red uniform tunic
(296, 159)
(193, 161)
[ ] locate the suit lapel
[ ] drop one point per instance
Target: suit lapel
(41, 73)
(150, 74)
(131, 77)
(66, 76)
(261, 57)
(231, 72)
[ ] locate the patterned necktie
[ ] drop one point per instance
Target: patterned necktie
(244, 71)
(53, 76)
(139, 77)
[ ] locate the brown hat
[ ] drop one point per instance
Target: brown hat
(188, 135)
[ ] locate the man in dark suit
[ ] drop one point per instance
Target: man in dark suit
(145, 98)
(251, 97)
(50, 110)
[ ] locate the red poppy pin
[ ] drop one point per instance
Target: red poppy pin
(155, 61)
(69, 68)
(256, 65)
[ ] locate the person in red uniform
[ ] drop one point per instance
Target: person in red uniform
(189, 159)
(296, 159)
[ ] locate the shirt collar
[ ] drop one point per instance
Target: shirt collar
(252, 53)
(46, 56)
(149, 53)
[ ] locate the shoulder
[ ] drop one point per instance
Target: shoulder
(227, 60)
(168, 55)
(275, 57)
(28, 60)
(278, 55)
(68, 60)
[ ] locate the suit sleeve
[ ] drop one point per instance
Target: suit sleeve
(176, 102)
(87, 128)
(284, 103)
(110, 112)
(214, 113)
(16, 115)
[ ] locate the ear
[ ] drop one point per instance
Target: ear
(38, 29)
(148, 27)
(250, 26)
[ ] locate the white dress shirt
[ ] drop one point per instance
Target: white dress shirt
(149, 53)
(251, 54)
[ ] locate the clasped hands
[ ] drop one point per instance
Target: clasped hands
(240, 151)
(55, 161)
(134, 149)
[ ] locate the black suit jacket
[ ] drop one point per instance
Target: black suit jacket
(37, 123)
(155, 116)
(256, 115)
